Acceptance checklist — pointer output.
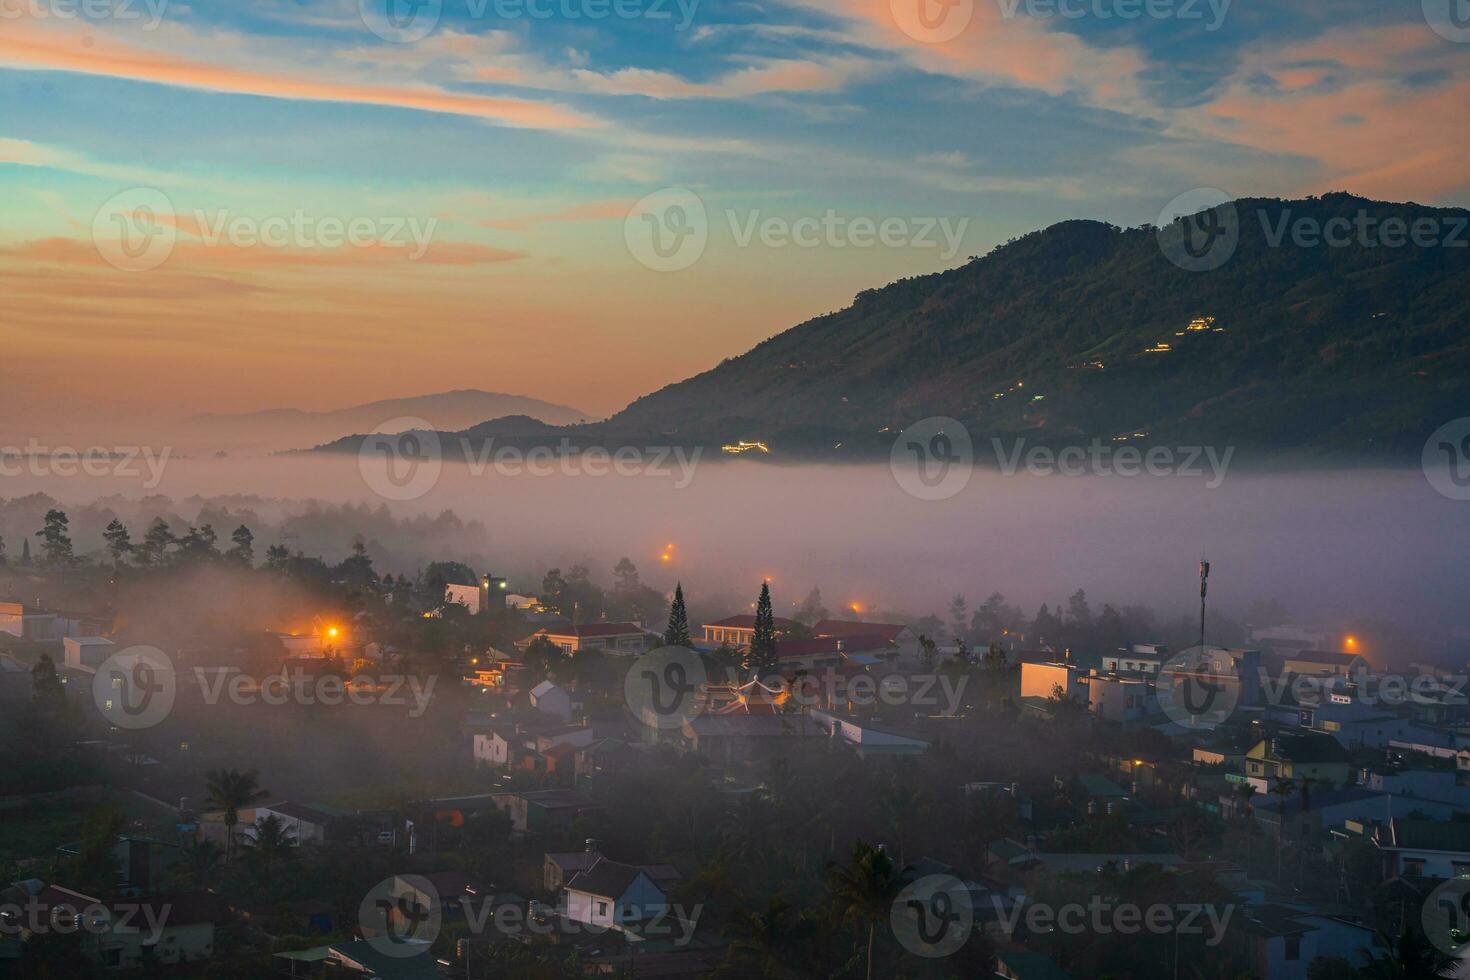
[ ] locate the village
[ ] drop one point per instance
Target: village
(459, 775)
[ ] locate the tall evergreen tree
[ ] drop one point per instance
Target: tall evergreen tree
(119, 542)
(761, 660)
(677, 635)
(25, 552)
(244, 547)
(3, 560)
(156, 542)
(56, 539)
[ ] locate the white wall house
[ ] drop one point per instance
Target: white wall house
(87, 652)
(308, 825)
(611, 895)
(550, 699)
(492, 748)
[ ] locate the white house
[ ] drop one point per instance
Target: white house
(307, 824)
(492, 747)
(613, 895)
(550, 699)
(1424, 848)
(1284, 940)
(87, 652)
(1141, 658)
(1115, 698)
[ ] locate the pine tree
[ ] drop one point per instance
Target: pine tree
(3, 560)
(677, 635)
(55, 539)
(119, 542)
(25, 552)
(761, 660)
(244, 547)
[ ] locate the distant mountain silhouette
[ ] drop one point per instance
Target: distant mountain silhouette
(1085, 330)
(290, 428)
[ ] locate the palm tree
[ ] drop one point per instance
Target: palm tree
(270, 840)
(1283, 789)
(774, 938)
(864, 889)
(231, 790)
(1411, 958)
(197, 865)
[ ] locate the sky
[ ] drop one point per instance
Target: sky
(213, 206)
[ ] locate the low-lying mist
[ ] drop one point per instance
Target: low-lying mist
(1331, 546)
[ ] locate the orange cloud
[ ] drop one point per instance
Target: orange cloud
(71, 251)
(26, 45)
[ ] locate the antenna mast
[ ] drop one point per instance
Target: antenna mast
(1204, 578)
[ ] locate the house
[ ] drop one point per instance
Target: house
(1281, 941)
(1117, 699)
(1333, 808)
(492, 747)
(1041, 680)
(737, 631)
(624, 639)
(142, 863)
(1141, 658)
(452, 894)
(559, 867)
(508, 745)
(363, 958)
(865, 738)
(550, 699)
(1424, 848)
(536, 811)
(174, 928)
(1320, 663)
(37, 626)
(736, 738)
(822, 652)
(603, 755)
(610, 894)
(901, 638)
(86, 653)
(306, 824)
(1306, 756)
